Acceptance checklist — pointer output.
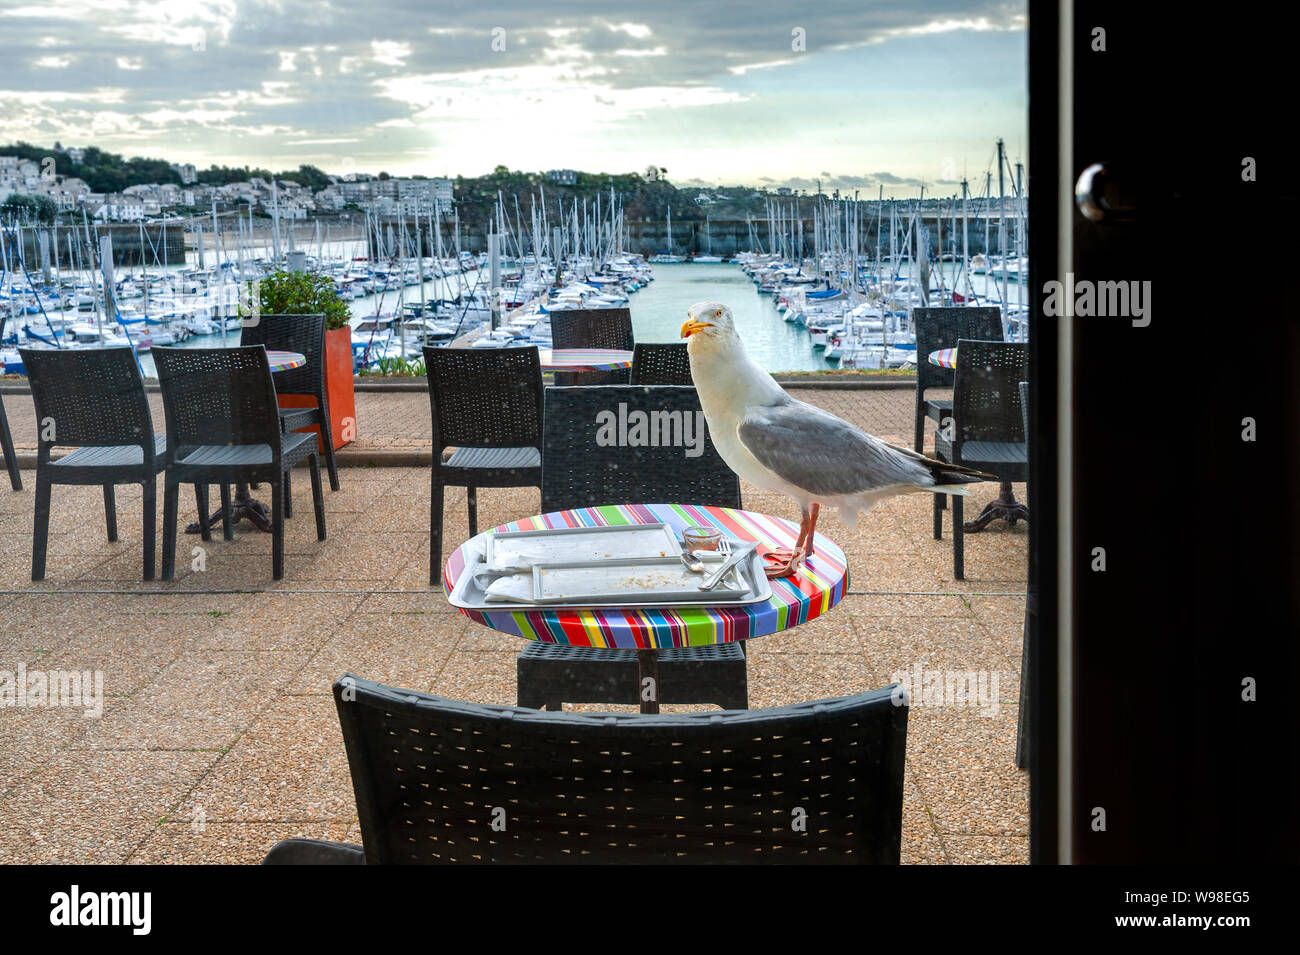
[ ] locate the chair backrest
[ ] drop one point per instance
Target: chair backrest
(92, 397)
(986, 395)
(484, 397)
(218, 396)
(661, 363)
(432, 776)
(298, 333)
(942, 328)
(630, 444)
(592, 328)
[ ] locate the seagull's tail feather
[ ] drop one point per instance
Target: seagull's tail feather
(952, 478)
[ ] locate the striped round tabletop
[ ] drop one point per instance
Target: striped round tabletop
(584, 359)
(284, 360)
(818, 586)
(944, 357)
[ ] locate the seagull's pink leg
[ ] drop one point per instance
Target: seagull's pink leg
(812, 529)
(792, 559)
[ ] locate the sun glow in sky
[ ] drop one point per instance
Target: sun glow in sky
(858, 96)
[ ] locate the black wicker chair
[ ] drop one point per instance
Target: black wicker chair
(487, 404)
(577, 471)
(304, 334)
(93, 399)
(1031, 599)
(223, 427)
(592, 328)
(988, 430)
(942, 328)
(663, 363)
(441, 781)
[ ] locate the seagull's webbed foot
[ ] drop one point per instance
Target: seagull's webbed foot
(787, 562)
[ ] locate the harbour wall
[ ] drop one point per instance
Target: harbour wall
(724, 237)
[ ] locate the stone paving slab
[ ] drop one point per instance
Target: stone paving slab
(217, 683)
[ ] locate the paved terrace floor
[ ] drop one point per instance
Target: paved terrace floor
(218, 735)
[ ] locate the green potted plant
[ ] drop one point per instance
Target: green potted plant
(306, 293)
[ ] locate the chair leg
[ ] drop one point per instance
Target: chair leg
(435, 532)
(227, 526)
(938, 516)
(150, 535)
(277, 529)
(171, 503)
(7, 449)
(110, 512)
(327, 439)
(958, 540)
(317, 497)
(288, 495)
(40, 527)
(471, 499)
(919, 437)
(201, 498)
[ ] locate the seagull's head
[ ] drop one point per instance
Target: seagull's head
(709, 320)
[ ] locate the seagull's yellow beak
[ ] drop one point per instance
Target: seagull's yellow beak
(691, 327)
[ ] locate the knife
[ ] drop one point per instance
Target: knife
(737, 555)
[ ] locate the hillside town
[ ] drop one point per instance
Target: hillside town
(288, 200)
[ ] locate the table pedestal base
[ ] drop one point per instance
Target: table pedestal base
(1005, 507)
(243, 506)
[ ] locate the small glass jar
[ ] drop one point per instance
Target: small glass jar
(702, 538)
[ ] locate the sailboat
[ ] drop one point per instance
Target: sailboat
(708, 258)
(667, 258)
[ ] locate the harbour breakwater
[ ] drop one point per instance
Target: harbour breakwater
(723, 237)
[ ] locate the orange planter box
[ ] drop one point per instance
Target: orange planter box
(339, 390)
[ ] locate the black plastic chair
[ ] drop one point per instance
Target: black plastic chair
(579, 471)
(487, 404)
(592, 328)
(223, 427)
(988, 432)
(938, 328)
(661, 363)
(441, 781)
(93, 399)
(304, 334)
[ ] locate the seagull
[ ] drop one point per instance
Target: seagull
(783, 445)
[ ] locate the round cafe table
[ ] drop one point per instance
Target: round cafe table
(584, 359)
(244, 505)
(818, 586)
(944, 357)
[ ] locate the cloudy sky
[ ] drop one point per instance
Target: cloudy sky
(857, 94)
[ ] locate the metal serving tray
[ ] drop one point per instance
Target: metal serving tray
(520, 550)
(754, 588)
(663, 579)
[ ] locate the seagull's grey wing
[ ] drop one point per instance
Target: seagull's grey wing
(822, 454)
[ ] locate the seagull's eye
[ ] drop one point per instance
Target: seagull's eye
(718, 313)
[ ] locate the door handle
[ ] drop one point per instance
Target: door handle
(1103, 196)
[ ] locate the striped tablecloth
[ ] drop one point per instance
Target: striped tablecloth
(818, 587)
(284, 360)
(944, 357)
(584, 359)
